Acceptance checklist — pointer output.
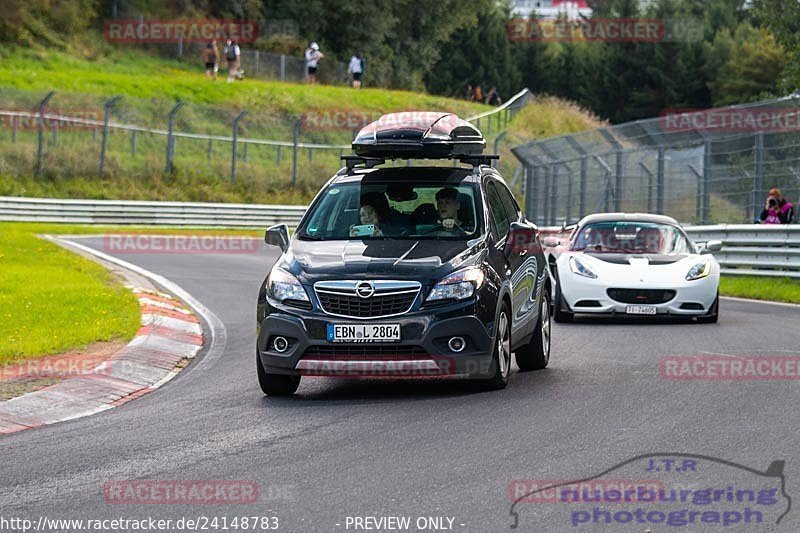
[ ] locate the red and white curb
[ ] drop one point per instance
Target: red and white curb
(170, 335)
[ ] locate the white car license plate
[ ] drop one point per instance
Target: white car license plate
(641, 309)
(363, 332)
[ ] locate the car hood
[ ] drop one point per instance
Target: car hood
(419, 260)
(637, 269)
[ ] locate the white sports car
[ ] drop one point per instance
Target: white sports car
(634, 264)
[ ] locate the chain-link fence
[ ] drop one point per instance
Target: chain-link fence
(702, 167)
(67, 135)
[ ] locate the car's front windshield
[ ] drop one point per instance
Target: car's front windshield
(400, 207)
(631, 238)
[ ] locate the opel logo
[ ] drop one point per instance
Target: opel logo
(365, 289)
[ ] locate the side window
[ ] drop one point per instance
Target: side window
(497, 211)
(512, 210)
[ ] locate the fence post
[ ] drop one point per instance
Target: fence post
(278, 156)
(553, 194)
(180, 48)
(660, 181)
(618, 182)
(107, 107)
(698, 207)
(283, 67)
(255, 69)
(170, 138)
(569, 195)
(14, 126)
(582, 194)
(54, 134)
(497, 140)
(133, 142)
(531, 177)
(705, 215)
(210, 149)
(295, 135)
(758, 194)
(42, 105)
(239, 117)
(649, 186)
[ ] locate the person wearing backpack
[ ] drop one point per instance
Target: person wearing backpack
(232, 56)
(313, 55)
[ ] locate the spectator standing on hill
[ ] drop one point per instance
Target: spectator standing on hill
(470, 94)
(493, 97)
(211, 59)
(477, 93)
(233, 55)
(356, 69)
(777, 209)
(313, 55)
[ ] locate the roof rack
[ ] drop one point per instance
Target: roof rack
(351, 161)
(478, 159)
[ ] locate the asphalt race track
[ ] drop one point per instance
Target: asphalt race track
(422, 448)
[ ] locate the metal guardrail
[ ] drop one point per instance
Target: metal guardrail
(114, 212)
(758, 250)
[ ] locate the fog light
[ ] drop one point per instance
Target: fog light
(456, 344)
(280, 344)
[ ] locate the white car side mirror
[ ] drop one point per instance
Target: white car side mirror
(711, 247)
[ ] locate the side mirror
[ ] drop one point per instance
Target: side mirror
(711, 247)
(278, 235)
(550, 242)
(522, 238)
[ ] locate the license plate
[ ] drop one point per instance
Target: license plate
(640, 309)
(363, 332)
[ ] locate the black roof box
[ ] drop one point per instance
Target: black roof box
(419, 135)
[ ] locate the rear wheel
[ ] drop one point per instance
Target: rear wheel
(559, 315)
(713, 314)
(536, 354)
(501, 360)
(275, 384)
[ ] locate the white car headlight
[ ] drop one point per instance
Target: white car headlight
(699, 271)
(458, 285)
(284, 286)
(580, 269)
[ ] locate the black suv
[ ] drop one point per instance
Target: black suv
(406, 271)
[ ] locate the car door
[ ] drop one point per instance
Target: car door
(527, 275)
(509, 259)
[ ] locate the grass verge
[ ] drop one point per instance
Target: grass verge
(761, 288)
(53, 301)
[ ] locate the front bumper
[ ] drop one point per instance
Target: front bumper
(692, 298)
(421, 352)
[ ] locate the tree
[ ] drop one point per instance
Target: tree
(782, 17)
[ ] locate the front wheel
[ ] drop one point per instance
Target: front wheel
(559, 315)
(501, 360)
(536, 354)
(275, 384)
(713, 314)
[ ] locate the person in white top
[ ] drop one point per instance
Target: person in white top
(356, 68)
(313, 55)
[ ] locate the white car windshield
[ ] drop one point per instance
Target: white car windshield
(631, 238)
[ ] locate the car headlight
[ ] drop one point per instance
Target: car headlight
(458, 285)
(699, 271)
(284, 286)
(580, 269)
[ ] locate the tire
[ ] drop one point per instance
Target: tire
(559, 315)
(501, 353)
(536, 354)
(275, 384)
(713, 314)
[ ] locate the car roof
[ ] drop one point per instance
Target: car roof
(628, 217)
(406, 173)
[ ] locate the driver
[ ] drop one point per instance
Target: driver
(447, 206)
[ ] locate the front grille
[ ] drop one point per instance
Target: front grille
(362, 351)
(641, 296)
(389, 298)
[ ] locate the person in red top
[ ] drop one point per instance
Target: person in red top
(777, 210)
